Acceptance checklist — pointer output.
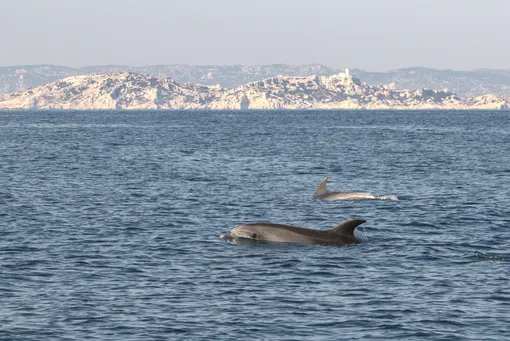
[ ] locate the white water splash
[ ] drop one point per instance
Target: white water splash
(386, 197)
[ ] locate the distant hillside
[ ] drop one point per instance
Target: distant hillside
(18, 78)
(464, 83)
(135, 91)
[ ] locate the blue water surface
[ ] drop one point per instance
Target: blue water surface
(110, 224)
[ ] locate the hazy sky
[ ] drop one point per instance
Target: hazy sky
(374, 35)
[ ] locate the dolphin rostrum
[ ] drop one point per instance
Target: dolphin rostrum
(322, 193)
(341, 234)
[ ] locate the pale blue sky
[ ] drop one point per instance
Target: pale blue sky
(374, 35)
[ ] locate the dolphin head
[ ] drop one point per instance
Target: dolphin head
(246, 231)
(227, 235)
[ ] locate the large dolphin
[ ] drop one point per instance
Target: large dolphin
(341, 234)
(322, 193)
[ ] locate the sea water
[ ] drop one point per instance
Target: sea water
(110, 224)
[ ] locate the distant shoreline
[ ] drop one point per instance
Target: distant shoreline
(342, 91)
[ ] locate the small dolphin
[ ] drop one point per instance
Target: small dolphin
(341, 234)
(322, 193)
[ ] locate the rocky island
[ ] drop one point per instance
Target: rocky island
(470, 83)
(128, 90)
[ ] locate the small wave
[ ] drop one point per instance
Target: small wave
(386, 197)
(487, 256)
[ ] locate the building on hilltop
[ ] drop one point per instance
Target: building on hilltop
(346, 76)
(345, 73)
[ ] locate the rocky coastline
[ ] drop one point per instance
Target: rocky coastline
(130, 91)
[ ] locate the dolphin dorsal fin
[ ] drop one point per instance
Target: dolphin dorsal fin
(322, 188)
(347, 227)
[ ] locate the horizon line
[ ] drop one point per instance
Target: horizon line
(245, 65)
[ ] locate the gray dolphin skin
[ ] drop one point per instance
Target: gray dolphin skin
(322, 193)
(341, 234)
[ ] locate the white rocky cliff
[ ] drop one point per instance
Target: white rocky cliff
(134, 91)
